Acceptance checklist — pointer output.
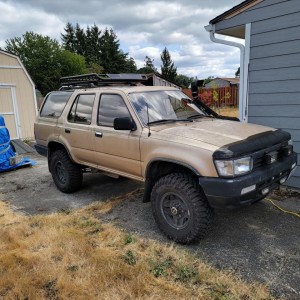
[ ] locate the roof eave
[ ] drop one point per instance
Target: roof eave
(235, 10)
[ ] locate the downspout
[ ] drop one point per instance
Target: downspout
(211, 29)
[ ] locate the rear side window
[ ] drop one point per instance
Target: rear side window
(55, 104)
(82, 108)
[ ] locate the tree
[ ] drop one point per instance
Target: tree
(84, 42)
(95, 68)
(168, 70)
(112, 58)
(148, 66)
(237, 73)
(208, 79)
(71, 63)
(80, 40)
(100, 49)
(130, 66)
(68, 39)
(93, 38)
(45, 60)
(184, 81)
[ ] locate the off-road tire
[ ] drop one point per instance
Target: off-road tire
(180, 208)
(66, 175)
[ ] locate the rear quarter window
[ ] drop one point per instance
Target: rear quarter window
(54, 104)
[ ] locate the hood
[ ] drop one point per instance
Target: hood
(215, 132)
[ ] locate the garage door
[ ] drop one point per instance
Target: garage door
(8, 110)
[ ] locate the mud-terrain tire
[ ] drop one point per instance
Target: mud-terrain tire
(66, 175)
(180, 208)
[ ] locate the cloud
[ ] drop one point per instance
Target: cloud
(15, 21)
(143, 28)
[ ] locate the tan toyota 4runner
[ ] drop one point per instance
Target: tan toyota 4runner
(190, 162)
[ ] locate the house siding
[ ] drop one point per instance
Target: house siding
(274, 68)
(264, 11)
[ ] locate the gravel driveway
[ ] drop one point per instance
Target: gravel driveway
(259, 242)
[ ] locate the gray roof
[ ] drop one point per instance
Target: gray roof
(235, 9)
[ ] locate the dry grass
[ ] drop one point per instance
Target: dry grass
(73, 255)
(229, 111)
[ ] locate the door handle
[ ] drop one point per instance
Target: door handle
(98, 134)
(67, 130)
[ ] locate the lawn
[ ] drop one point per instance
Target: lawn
(229, 111)
(75, 255)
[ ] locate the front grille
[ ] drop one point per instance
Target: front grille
(260, 157)
(258, 162)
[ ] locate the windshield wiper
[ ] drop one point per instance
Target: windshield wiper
(198, 116)
(169, 121)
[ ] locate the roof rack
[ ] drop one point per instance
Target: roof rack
(95, 80)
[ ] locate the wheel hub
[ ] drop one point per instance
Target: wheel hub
(174, 211)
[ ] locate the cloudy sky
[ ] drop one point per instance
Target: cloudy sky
(143, 27)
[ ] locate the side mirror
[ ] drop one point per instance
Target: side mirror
(124, 124)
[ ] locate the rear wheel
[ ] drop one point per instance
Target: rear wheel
(180, 208)
(66, 175)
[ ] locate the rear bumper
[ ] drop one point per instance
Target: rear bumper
(227, 193)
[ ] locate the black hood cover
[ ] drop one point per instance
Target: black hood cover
(252, 144)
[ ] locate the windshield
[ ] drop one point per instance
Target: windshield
(156, 106)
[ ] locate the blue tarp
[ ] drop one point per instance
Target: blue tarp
(6, 151)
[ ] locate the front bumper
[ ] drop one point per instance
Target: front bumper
(226, 193)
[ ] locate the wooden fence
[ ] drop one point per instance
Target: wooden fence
(220, 97)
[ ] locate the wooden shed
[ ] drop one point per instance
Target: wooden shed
(223, 82)
(270, 68)
(17, 97)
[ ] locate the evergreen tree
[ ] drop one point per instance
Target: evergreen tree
(168, 70)
(80, 40)
(112, 57)
(84, 42)
(101, 50)
(68, 39)
(93, 40)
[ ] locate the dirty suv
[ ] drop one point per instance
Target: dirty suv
(189, 162)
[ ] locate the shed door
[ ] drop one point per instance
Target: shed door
(8, 110)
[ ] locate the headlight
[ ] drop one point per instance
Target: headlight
(234, 167)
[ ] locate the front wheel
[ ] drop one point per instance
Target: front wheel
(66, 175)
(180, 208)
